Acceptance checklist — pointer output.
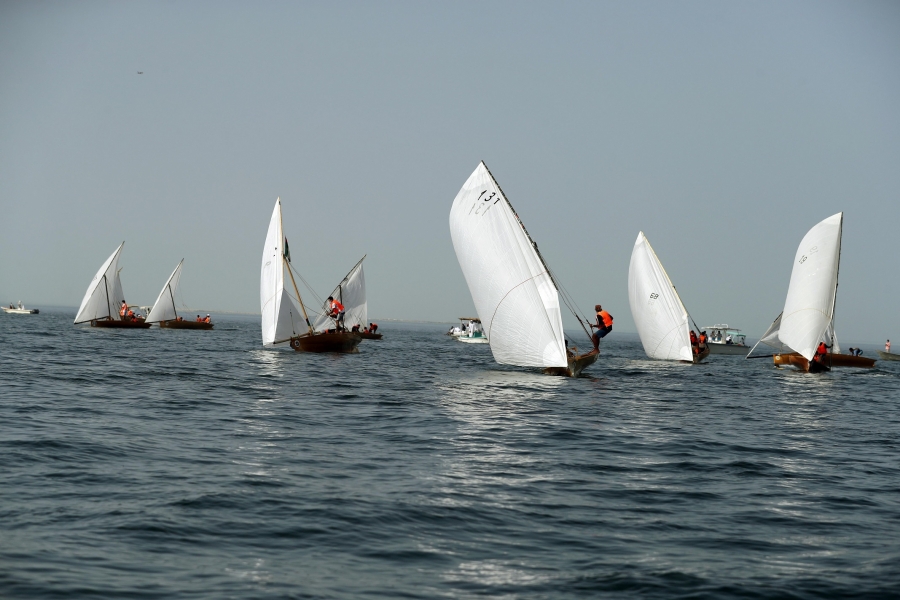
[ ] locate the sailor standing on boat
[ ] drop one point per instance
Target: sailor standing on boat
(603, 326)
(337, 312)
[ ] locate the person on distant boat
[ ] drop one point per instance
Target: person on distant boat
(355, 328)
(337, 312)
(130, 315)
(199, 320)
(887, 346)
(821, 352)
(729, 339)
(694, 342)
(373, 327)
(123, 310)
(207, 319)
(701, 344)
(603, 326)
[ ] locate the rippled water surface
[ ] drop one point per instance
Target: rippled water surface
(180, 464)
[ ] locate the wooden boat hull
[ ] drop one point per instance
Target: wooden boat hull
(344, 342)
(888, 355)
(185, 325)
(120, 324)
(732, 349)
(699, 358)
(370, 336)
(576, 365)
(794, 359)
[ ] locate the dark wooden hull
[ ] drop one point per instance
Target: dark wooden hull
(124, 324)
(576, 365)
(794, 359)
(370, 336)
(185, 325)
(699, 358)
(343, 342)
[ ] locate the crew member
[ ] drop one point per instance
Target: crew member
(199, 320)
(694, 342)
(337, 312)
(355, 328)
(373, 327)
(603, 326)
(703, 339)
(821, 352)
(887, 346)
(123, 310)
(207, 319)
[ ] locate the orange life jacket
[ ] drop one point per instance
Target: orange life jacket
(337, 306)
(693, 338)
(702, 338)
(605, 318)
(822, 349)
(206, 320)
(123, 310)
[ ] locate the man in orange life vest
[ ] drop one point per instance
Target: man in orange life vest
(821, 351)
(123, 309)
(337, 312)
(702, 342)
(603, 326)
(694, 346)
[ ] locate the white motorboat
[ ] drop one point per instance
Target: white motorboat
(19, 309)
(723, 339)
(469, 331)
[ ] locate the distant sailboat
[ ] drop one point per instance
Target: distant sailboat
(284, 317)
(104, 297)
(164, 311)
(515, 295)
(808, 315)
(351, 293)
(663, 323)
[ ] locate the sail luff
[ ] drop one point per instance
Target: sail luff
(161, 311)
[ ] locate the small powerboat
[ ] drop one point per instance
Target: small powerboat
(726, 340)
(19, 309)
(469, 331)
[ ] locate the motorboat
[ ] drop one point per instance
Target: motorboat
(723, 339)
(469, 331)
(19, 309)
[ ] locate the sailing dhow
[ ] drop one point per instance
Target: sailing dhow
(164, 311)
(515, 294)
(351, 293)
(284, 317)
(103, 301)
(808, 316)
(662, 321)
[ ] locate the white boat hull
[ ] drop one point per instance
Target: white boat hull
(472, 340)
(733, 349)
(20, 311)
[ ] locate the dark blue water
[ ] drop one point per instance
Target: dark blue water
(177, 464)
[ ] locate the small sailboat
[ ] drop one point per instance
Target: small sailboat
(663, 323)
(284, 317)
(164, 311)
(104, 297)
(808, 315)
(351, 293)
(515, 294)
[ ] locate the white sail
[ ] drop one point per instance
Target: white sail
(514, 294)
(351, 292)
(164, 307)
(770, 338)
(103, 296)
(281, 318)
(809, 306)
(662, 321)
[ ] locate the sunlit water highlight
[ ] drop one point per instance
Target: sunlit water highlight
(179, 464)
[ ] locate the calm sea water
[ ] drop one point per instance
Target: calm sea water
(177, 464)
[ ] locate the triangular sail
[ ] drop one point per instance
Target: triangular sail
(351, 292)
(514, 293)
(164, 307)
(662, 321)
(809, 306)
(104, 293)
(281, 318)
(770, 339)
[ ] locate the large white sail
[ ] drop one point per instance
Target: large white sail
(164, 307)
(281, 318)
(514, 294)
(809, 306)
(662, 321)
(102, 298)
(351, 292)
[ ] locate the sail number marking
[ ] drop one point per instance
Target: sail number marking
(483, 203)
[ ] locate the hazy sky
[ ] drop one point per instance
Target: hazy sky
(723, 130)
